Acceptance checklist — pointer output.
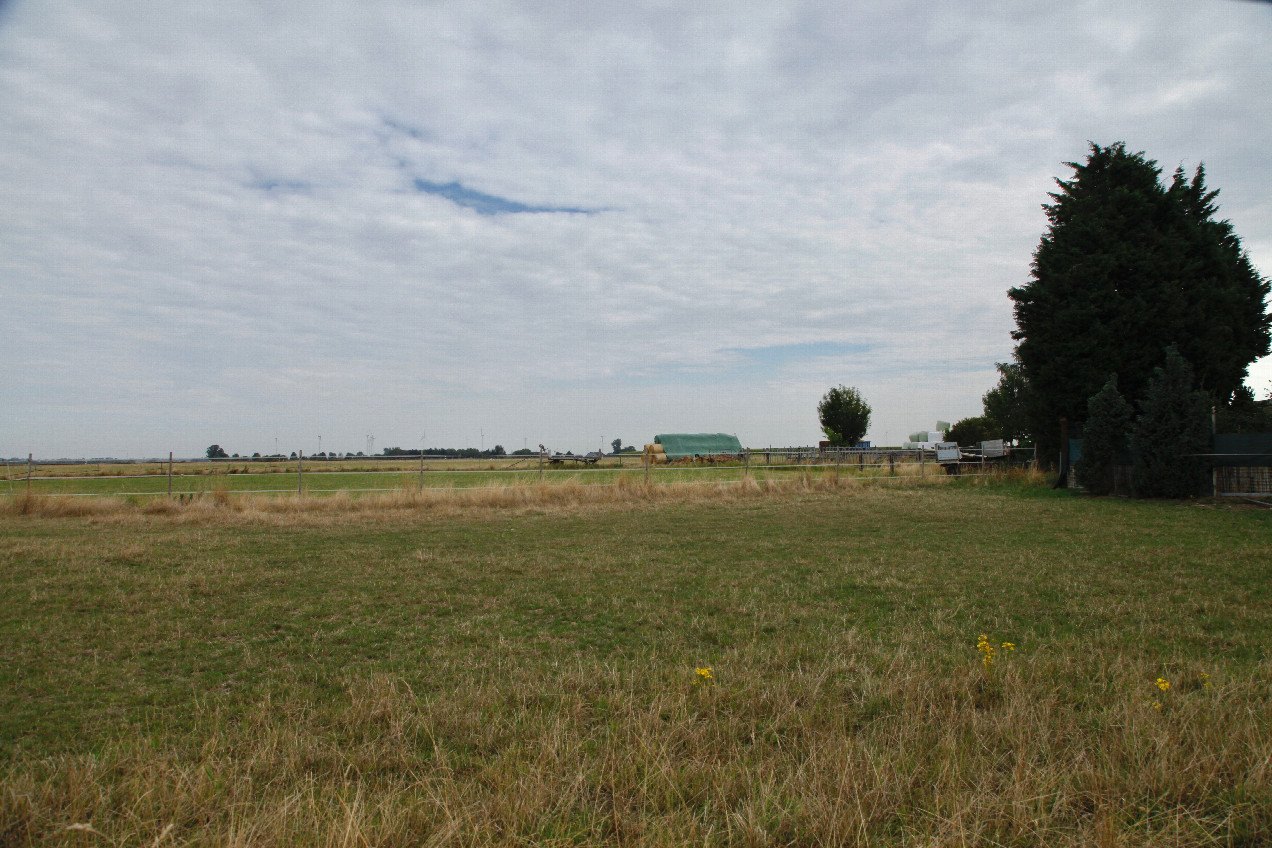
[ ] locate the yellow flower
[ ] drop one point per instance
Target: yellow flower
(704, 676)
(1163, 684)
(1205, 680)
(1009, 646)
(986, 651)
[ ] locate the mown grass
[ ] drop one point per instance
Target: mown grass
(520, 669)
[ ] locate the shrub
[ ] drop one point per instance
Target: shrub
(1173, 427)
(1103, 439)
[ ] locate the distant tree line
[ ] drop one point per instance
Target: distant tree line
(453, 453)
(217, 452)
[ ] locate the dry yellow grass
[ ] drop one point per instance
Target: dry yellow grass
(570, 494)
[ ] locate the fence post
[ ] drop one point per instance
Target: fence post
(540, 463)
(421, 470)
(746, 468)
(921, 459)
(839, 461)
(300, 473)
(28, 474)
(648, 457)
(7, 475)
(1214, 469)
(169, 473)
(892, 465)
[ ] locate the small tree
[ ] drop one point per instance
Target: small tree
(1172, 428)
(844, 415)
(217, 452)
(617, 445)
(1004, 404)
(1104, 438)
(971, 431)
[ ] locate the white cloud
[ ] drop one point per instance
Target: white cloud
(211, 233)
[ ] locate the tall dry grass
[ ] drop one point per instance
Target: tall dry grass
(572, 494)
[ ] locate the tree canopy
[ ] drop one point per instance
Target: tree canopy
(844, 416)
(1128, 267)
(972, 431)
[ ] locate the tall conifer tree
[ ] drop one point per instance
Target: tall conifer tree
(1128, 267)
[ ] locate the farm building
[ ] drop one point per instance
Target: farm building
(679, 445)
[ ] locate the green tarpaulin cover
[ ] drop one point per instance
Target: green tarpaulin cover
(677, 445)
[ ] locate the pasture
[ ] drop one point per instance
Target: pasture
(784, 663)
(138, 478)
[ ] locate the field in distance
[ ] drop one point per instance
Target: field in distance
(711, 666)
(324, 477)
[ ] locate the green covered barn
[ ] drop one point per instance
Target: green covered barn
(680, 445)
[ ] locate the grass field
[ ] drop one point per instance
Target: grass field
(522, 668)
(319, 478)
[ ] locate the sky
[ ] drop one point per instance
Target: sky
(337, 225)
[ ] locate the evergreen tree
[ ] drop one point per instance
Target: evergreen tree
(1104, 440)
(1172, 428)
(844, 416)
(1127, 267)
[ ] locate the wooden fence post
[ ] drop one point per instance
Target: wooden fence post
(1214, 469)
(421, 469)
(29, 473)
(300, 473)
(170, 474)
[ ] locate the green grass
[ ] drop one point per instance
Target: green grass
(525, 676)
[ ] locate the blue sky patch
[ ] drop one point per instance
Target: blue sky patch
(488, 204)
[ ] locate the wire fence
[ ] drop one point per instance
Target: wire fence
(173, 477)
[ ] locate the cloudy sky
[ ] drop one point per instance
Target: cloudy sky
(474, 223)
